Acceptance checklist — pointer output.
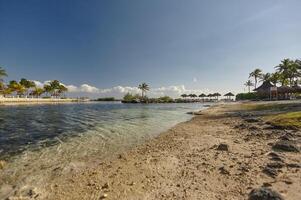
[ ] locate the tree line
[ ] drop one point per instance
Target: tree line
(287, 73)
(28, 88)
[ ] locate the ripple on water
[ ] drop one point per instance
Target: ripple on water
(36, 139)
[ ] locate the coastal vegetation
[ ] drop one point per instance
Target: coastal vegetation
(287, 76)
(28, 88)
(144, 88)
(106, 99)
(286, 120)
(185, 98)
(246, 96)
(283, 115)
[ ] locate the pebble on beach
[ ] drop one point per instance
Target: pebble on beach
(223, 147)
(264, 193)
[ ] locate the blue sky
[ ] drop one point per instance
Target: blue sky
(197, 45)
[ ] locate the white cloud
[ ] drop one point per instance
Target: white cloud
(39, 84)
(173, 91)
(195, 80)
(71, 88)
(88, 88)
(119, 91)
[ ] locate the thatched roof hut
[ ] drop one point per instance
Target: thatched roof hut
(297, 89)
(202, 95)
(265, 88)
(216, 94)
(229, 94)
(285, 89)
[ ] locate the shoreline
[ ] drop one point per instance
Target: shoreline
(31, 101)
(185, 162)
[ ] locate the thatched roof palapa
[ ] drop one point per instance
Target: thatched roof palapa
(285, 89)
(216, 94)
(202, 95)
(297, 88)
(265, 87)
(229, 94)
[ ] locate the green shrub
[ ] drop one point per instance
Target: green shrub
(165, 99)
(247, 96)
(130, 98)
(106, 99)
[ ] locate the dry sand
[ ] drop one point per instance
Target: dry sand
(186, 162)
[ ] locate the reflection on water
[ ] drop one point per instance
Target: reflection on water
(37, 137)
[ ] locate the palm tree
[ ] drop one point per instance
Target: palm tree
(62, 89)
(249, 84)
(47, 89)
(144, 88)
(289, 71)
(274, 78)
(7, 91)
(37, 92)
(2, 74)
(265, 77)
(52, 88)
(2, 87)
(27, 84)
(256, 74)
(16, 87)
(13, 86)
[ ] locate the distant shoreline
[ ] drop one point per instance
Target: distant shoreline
(22, 101)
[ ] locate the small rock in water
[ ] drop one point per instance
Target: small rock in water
(194, 113)
(286, 146)
(264, 193)
(223, 147)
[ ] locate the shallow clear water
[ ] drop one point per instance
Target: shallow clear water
(30, 128)
(43, 143)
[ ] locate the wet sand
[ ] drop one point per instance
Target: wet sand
(222, 153)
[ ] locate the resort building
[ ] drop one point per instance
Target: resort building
(269, 91)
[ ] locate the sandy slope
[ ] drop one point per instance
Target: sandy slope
(184, 163)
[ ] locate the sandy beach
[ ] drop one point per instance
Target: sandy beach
(27, 101)
(222, 153)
